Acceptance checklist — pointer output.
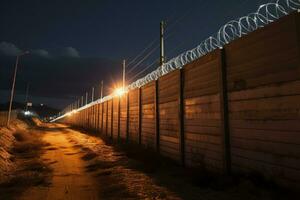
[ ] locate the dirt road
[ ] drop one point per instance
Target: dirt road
(70, 181)
(86, 167)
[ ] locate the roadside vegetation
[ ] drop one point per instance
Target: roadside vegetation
(25, 155)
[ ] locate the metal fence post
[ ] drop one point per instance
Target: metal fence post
(127, 119)
(181, 116)
(156, 107)
(224, 112)
(112, 118)
(140, 114)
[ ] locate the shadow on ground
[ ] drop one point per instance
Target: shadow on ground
(140, 173)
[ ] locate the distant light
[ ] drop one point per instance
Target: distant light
(119, 91)
(42, 104)
(27, 113)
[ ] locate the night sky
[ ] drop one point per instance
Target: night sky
(76, 44)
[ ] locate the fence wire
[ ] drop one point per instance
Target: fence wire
(232, 30)
(265, 14)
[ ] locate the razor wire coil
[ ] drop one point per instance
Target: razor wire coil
(266, 13)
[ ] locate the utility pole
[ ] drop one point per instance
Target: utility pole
(101, 90)
(86, 98)
(124, 66)
(93, 91)
(13, 86)
(26, 97)
(162, 46)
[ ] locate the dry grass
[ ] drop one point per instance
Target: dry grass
(31, 171)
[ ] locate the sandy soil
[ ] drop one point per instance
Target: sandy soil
(69, 180)
(86, 167)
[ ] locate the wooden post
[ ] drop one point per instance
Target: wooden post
(156, 107)
(98, 118)
(181, 116)
(102, 109)
(140, 114)
(112, 118)
(224, 112)
(89, 117)
(106, 118)
(84, 118)
(119, 112)
(93, 117)
(127, 119)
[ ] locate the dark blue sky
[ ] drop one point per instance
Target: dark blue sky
(75, 44)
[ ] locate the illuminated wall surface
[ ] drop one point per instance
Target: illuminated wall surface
(236, 108)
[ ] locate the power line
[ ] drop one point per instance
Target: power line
(143, 59)
(155, 61)
(144, 50)
(169, 33)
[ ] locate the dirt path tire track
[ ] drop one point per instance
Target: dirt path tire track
(86, 167)
(69, 181)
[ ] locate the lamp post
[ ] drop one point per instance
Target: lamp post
(13, 85)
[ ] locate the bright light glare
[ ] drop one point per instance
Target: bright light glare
(27, 113)
(69, 113)
(119, 91)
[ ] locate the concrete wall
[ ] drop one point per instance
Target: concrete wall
(233, 110)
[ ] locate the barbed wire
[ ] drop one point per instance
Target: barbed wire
(234, 29)
(265, 14)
